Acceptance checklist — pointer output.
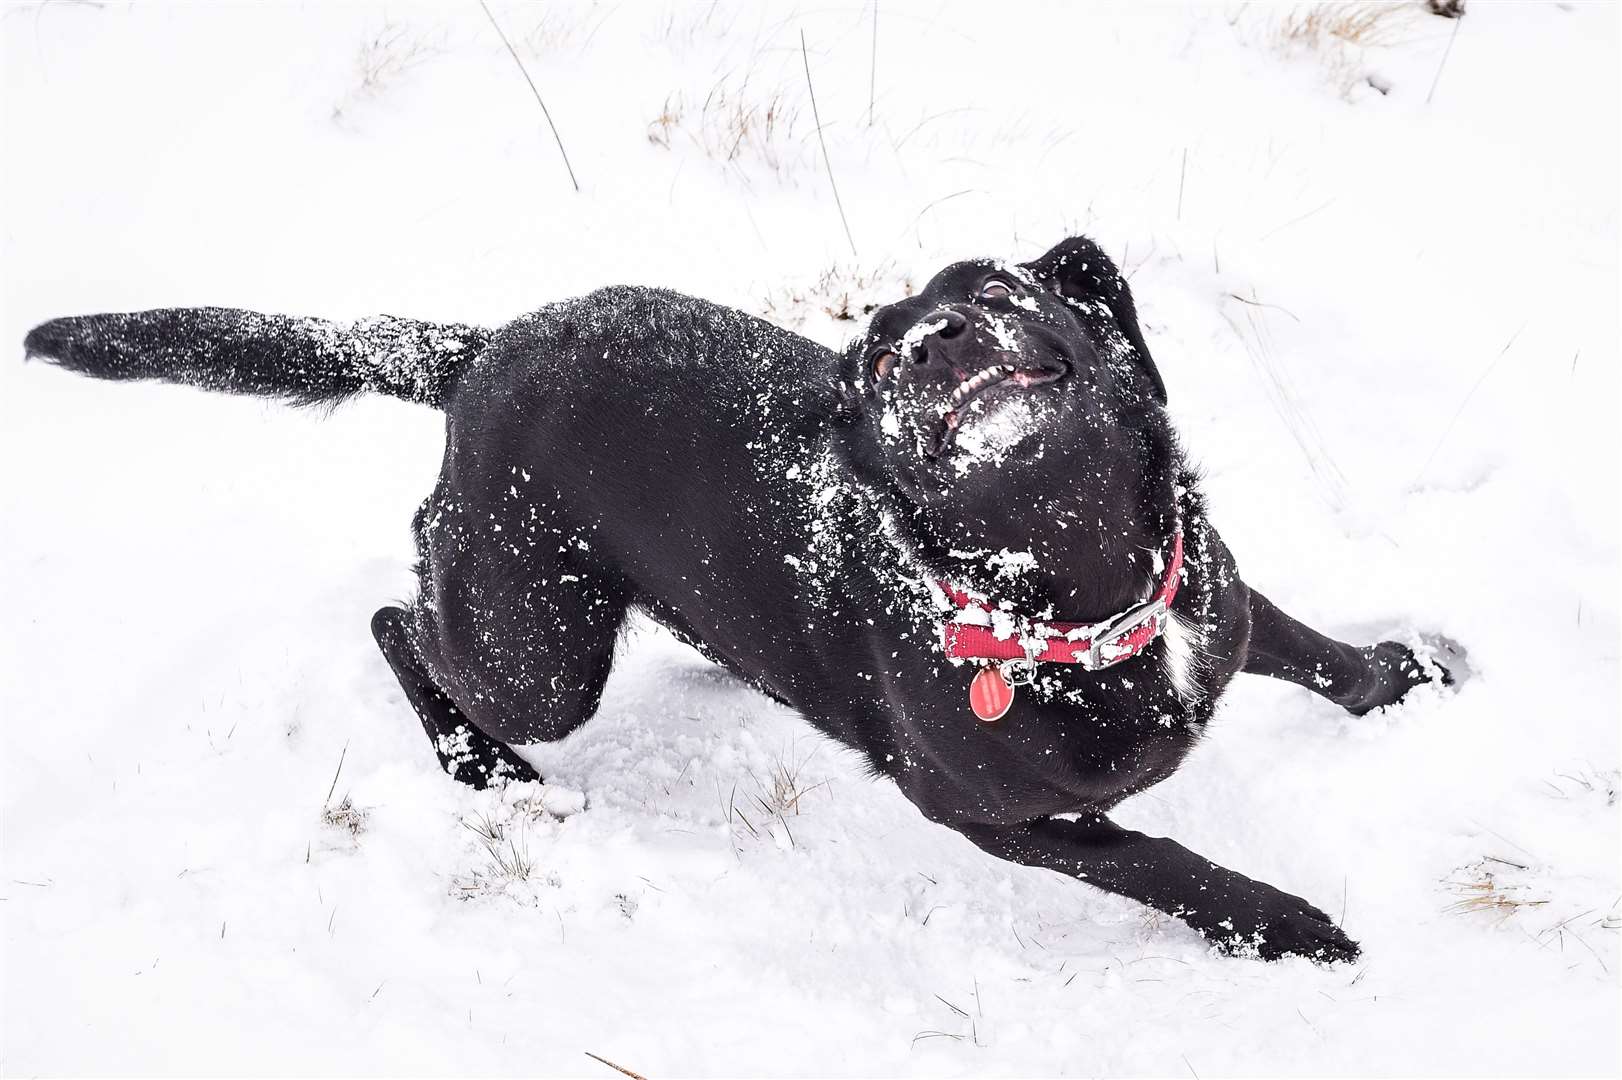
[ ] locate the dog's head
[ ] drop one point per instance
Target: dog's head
(996, 371)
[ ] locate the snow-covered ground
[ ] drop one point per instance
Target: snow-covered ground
(1389, 326)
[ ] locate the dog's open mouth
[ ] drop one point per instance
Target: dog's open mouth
(980, 384)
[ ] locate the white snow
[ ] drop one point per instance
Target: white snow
(994, 427)
(1388, 326)
(916, 334)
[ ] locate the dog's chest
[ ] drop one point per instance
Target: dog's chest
(1101, 733)
(1071, 741)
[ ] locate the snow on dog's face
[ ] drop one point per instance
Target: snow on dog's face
(995, 367)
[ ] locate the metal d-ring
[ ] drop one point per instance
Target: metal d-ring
(1022, 672)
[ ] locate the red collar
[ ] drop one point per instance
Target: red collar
(979, 631)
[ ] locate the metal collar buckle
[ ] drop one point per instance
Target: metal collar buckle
(1150, 612)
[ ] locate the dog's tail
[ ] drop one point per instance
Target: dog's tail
(243, 352)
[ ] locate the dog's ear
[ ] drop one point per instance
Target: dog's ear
(1078, 270)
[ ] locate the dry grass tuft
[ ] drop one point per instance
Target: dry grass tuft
(1339, 33)
(1551, 919)
(784, 787)
(684, 25)
(560, 27)
(508, 854)
(346, 816)
(1355, 22)
(736, 125)
(765, 812)
(1150, 922)
(383, 60)
(504, 865)
(1487, 886)
(843, 292)
(1587, 782)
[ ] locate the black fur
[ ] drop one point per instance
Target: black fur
(784, 509)
(302, 360)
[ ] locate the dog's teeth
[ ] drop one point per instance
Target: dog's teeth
(978, 381)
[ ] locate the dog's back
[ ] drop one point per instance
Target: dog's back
(677, 438)
(671, 438)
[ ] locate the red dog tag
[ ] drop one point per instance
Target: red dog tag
(990, 696)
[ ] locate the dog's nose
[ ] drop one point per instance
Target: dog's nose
(953, 321)
(947, 327)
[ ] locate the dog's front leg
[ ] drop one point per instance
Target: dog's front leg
(1234, 912)
(1357, 679)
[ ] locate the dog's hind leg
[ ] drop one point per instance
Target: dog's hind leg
(514, 632)
(1357, 678)
(465, 752)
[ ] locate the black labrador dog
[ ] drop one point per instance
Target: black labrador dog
(970, 548)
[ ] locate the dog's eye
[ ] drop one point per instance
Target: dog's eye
(996, 289)
(881, 364)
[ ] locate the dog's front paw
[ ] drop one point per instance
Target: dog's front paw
(1442, 658)
(1397, 668)
(1282, 925)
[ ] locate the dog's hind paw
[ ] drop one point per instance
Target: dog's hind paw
(471, 757)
